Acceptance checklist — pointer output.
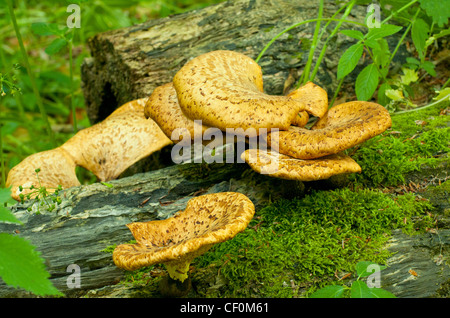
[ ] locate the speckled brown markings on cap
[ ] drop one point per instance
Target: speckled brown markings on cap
(207, 220)
(164, 109)
(284, 167)
(343, 127)
(111, 146)
(315, 99)
(224, 89)
(106, 149)
(56, 168)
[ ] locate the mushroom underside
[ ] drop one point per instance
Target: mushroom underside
(175, 242)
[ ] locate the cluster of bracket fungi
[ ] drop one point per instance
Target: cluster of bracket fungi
(223, 89)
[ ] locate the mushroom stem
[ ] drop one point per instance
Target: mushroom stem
(178, 270)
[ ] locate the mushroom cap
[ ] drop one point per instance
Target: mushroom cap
(225, 90)
(301, 119)
(56, 168)
(163, 107)
(207, 220)
(343, 127)
(284, 167)
(314, 97)
(110, 147)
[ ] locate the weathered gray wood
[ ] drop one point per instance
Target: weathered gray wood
(93, 217)
(130, 63)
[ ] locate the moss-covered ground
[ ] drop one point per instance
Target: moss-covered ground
(295, 246)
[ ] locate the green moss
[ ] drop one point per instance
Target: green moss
(416, 140)
(304, 242)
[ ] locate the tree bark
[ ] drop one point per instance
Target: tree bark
(93, 217)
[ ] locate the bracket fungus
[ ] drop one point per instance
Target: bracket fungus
(343, 127)
(108, 148)
(56, 167)
(224, 89)
(315, 99)
(207, 220)
(284, 167)
(163, 107)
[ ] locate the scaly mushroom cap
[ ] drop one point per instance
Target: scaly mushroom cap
(301, 119)
(284, 167)
(110, 147)
(314, 97)
(207, 220)
(343, 127)
(225, 90)
(163, 107)
(56, 168)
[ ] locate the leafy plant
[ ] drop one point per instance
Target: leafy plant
(20, 264)
(63, 38)
(29, 71)
(420, 24)
(41, 196)
(359, 288)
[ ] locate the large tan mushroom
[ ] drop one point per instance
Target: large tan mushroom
(343, 127)
(280, 166)
(110, 147)
(224, 89)
(207, 220)
(163, 107)
(56, 167)
(316, 100)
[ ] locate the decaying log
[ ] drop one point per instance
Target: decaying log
(93, 217)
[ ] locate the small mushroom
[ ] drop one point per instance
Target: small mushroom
(110, 147)
(284, 167)
(56, 167)
(343, 127)
(163, 107)
(314, 97)
(224, 89)
(207, 220)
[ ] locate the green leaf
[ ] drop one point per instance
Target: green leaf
(394, 94)
(419, 34)
(45, 29)
(410, 76)
(383, 31)
(412, 60)
(360, 289)
(429, 68)
(7, 216)
(5, 196)
(382, 98)
(367, 82)
(353, 34)
(382, 55)
(443, 93)
(438, 10)
(56, 46)
(363, 270)
(21, 266)
(349, 60)
(333, 291)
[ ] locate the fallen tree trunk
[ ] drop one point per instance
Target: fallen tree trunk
(93, 217)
